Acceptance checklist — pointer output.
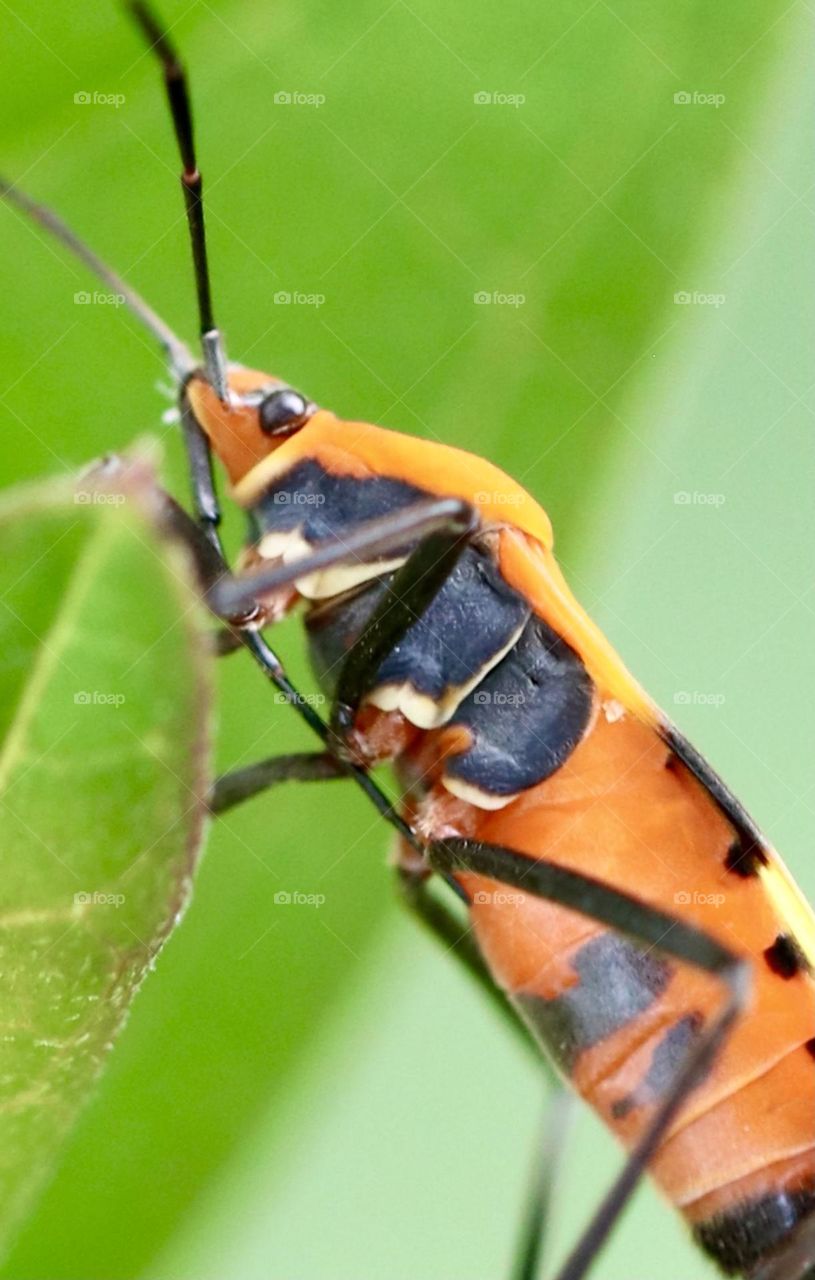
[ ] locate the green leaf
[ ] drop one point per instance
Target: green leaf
(103, 709)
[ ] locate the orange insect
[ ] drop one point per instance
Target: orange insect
(618, 893)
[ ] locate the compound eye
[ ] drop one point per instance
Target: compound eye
(282, 411)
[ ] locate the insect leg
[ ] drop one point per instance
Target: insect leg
(212, 572)
(548, 1160)
(454, 932)
(407, 596)
(450, 517)
(211, 568)
(238, 785)
(794, 1262)
(643, 924)
(225, 641)
(202, 480)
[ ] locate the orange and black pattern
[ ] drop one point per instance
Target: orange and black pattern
(511, 721)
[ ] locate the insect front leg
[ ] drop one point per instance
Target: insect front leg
(444, 526)
(644, 925)
(452, 518)
(407, 598)
(202, 481)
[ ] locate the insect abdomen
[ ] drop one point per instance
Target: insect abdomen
(740, 1159)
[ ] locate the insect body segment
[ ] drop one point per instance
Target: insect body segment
(516, 699)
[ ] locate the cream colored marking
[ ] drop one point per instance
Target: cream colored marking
(475, 796)
(613, 710)
(418, 708)
(292, 546)
(422, 710)
(341, 578)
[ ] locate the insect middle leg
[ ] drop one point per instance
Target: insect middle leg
(451, 928)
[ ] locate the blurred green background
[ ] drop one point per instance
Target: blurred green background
(308, 1093)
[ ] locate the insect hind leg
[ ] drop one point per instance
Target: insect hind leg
(644, 925)
(549, 1154)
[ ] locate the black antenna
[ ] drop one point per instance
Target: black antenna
(181, 360)
(178, 97)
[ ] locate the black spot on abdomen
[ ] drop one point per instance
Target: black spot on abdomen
(785, 957)
(743, 861)
(743, 1236)
(668, 1056)
(618, 982)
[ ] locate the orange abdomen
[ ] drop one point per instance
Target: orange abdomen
(617, 1020)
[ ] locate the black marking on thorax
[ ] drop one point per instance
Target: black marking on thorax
(618, 982)
(526, 717)
(325, 507)
(469, 622)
